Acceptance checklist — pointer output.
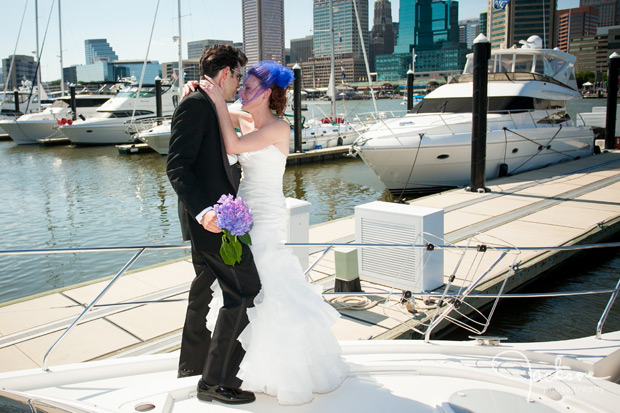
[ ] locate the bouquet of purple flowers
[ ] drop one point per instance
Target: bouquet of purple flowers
(235, 220)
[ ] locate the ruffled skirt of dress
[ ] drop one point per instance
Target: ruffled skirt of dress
(290, 349)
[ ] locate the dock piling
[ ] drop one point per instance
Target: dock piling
(73, 101)
(297, 108)
(16, 96)
(158, 107)
(612, 97)
(482, 53)
(410, 75)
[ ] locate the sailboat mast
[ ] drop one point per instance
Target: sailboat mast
(62, 75)
(36, 20)
(359, 29)
(181, 77)
(332, 84)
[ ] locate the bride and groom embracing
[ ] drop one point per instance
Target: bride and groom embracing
(272, 331)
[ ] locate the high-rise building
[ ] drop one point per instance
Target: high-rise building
(346, 34)
(427, 25)
(301, 49)
(520, 19)
(468, 30)
(608, 11)
(382, 33)
(580, 21)
(24, 68)
(98, 50)
(195, 49)
(263, 30)
(483, 23)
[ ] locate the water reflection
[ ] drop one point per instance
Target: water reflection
(77, 197)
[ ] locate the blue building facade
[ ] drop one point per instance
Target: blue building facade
(115, 71)
(428, 28)
(98, 50)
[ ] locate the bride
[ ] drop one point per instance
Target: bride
(290, 349)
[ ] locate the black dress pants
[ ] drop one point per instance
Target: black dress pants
(219, 354)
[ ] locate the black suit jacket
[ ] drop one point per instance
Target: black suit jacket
(198, 167)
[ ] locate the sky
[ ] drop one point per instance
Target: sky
(127, 26)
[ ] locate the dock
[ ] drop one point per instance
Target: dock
(576, 202)
(318, 155)
(134, 148)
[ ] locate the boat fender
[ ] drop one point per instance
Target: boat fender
(340, 141)
(503, 169)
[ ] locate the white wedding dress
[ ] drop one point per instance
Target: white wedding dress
(290, 349)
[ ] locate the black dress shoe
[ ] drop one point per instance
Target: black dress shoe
(187, 373)
(223, 394)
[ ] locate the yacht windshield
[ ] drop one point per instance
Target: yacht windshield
(145, 92)
(119, 114)
(552, 64)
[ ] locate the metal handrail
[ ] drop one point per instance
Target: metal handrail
(443, 296)
(599, 326)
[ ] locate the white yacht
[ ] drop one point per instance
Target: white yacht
(156, 137)
(29, 128)
(313, 136)
(395, 375)
(27, 102)
(528, 126)
(112, 120)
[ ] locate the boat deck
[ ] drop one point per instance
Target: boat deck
(570, 203)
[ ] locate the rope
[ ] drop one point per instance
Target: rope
(412, 166)
(352, 302)
(537, 143)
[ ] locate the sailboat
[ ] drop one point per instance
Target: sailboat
(27, 99)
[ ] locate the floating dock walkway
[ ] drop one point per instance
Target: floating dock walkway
(577, 202)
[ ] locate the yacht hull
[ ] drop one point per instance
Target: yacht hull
(98, 133)
(157, 138)
(29, 132)
(411, 164)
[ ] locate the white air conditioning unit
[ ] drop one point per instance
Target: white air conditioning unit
(410, 269)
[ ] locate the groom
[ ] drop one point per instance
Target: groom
(200, 173)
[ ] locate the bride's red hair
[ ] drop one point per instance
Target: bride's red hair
(277, 100)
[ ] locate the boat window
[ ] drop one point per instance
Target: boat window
(464, 105)
(548, 104)
(554, 118)
(498, 77)
(89, 103)
(539, 66)
(523, 63)
(145, 92)
(10, 112)
(496, 104)
(83, 102)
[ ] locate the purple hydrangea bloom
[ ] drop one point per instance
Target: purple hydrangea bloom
(233, 215)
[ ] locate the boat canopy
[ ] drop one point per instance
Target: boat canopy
(550, 63)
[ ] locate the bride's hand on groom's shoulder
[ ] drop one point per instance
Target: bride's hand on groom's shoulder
(189, 87)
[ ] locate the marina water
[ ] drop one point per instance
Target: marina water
(79, 197)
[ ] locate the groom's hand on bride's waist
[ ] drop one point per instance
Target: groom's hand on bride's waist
(209, 222)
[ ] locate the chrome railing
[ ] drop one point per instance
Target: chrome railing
(451, 299)
(140, 125)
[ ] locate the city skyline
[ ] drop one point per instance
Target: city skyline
(127, 27)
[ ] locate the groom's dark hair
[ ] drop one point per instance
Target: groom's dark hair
(219, 56)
